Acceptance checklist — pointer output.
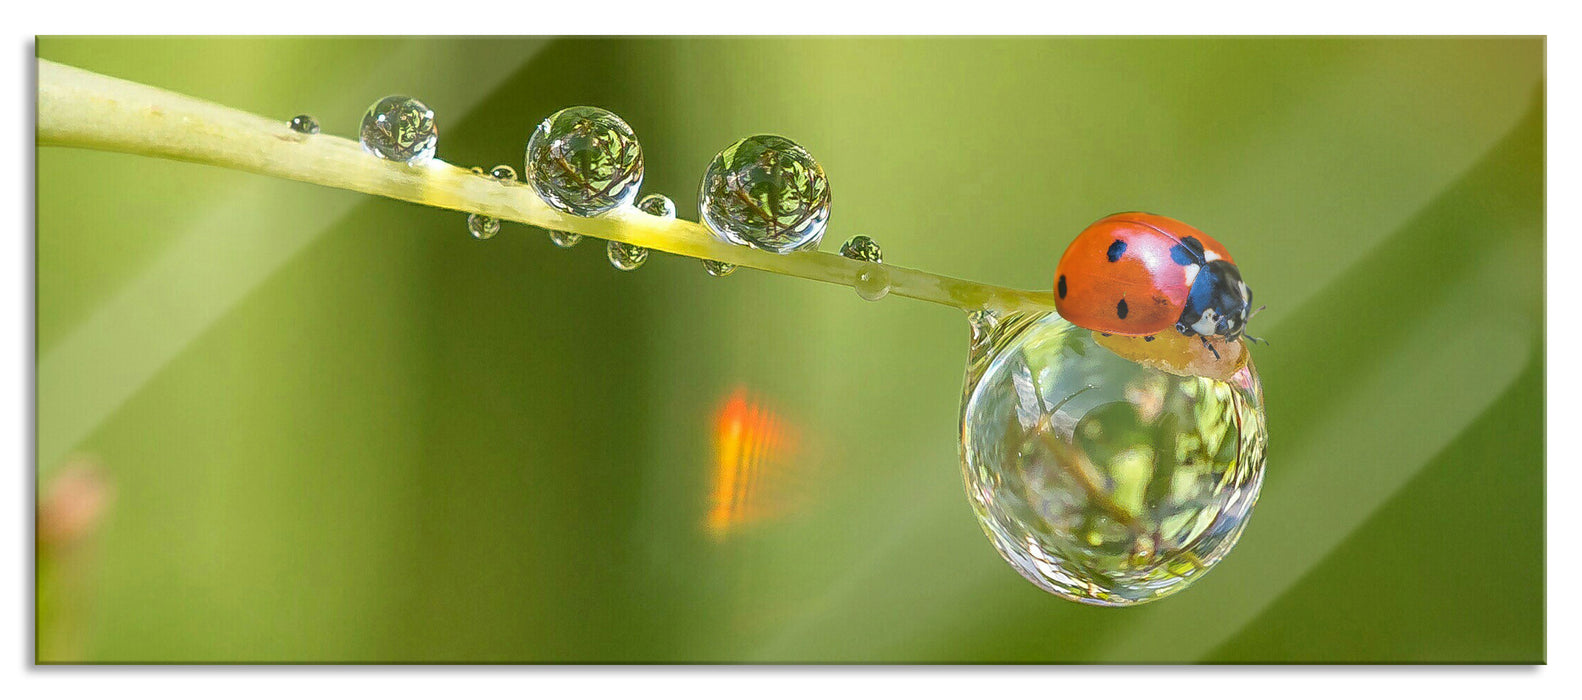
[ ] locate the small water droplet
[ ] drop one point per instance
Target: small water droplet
(304, 124)
(504, 173)
(862, 248)
(564, 239)
(657, 205)
(584, 161)
(766, 192)
(482, 227)
(717, 268)
(478, 171)
(624, 256)
(401, 129)
(873, 282)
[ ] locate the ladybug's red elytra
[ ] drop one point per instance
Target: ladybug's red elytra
(1140, 274)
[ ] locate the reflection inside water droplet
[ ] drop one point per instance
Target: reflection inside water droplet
(401, 129)
(482, 227)
(1098, 479)
(584, 161)
(767, 192)
(625, 257)
(564, 239)
(304, 124)
(862, 248)
(873, 282)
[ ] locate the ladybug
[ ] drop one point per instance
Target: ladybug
(1141, 274)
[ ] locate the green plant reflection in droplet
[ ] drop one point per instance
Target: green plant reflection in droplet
(1098, 479)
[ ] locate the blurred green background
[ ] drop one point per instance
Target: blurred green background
(322, 427)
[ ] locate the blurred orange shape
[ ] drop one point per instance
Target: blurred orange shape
(754, 449)
(73, 503)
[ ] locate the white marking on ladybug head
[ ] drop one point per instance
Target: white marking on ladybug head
(1207, 324)
(1191, 272)
(1210, 255)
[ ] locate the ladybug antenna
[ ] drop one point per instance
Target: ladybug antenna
(1255, 311)
(1255, 339)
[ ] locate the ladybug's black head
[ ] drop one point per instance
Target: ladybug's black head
(1219, 303)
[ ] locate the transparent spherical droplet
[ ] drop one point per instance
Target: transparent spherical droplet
(766, 192)
(564, 239)
(504, 173)
(482, 227)
(304, 124)
(400, 128)
(717, 268)
(584, 161)
(657, 205)
(873, 282)
(1100, 480)
(625, 257)
(862, 248)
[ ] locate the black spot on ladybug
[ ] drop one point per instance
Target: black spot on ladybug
(1117, 249)
(1120, 309)
(1187, 252)
(1061, 287)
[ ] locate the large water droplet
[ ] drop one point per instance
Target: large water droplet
(1100, 480)
(482, 227)
(862, 248)
(401, 129)
(584, 161)
(767, 192)
(873, 282)
(564, 239)
(304, 124)
(717, 268)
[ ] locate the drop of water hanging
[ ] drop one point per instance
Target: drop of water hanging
(564, 239)
(862, 248)
(482, 227)
(625, 257)
(766, 192)
(304, 124)
(401, 129)
(1098, 479)
(873, 282)
(717, 268)
(584, 161)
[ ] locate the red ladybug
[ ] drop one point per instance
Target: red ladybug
(1141, 274)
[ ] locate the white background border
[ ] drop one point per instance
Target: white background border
(809, 17)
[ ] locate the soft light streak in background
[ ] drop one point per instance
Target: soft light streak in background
(340, 429)
(757, 457)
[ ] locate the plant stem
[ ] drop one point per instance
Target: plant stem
(78, 108)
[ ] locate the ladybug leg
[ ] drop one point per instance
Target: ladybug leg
(1255, 339)
(1209, 345)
